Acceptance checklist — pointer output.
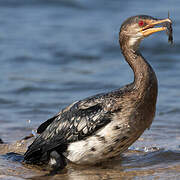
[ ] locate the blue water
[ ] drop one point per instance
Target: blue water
(54, 52)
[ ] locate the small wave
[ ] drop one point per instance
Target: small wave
(29, 89)
(19, 3)
(153, 158)
(5, 177)
(13, 157)
(6, 101)
(171, 111)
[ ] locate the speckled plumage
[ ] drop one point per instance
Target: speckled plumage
(104, 125)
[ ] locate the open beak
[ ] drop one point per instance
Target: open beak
(150, 29)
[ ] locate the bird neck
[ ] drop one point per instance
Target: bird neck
(144, 76)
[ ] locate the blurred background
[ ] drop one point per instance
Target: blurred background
(55, 52)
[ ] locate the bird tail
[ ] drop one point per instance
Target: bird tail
(36, 157)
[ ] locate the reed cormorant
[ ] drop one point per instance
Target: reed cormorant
(103, 126)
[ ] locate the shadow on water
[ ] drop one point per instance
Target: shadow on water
(14, 157)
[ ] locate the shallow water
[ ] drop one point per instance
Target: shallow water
(54, 52)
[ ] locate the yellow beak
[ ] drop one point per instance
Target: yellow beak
(150, 29)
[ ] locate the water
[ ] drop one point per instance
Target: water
(54, 52)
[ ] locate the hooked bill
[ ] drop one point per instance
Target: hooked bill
(169, 31)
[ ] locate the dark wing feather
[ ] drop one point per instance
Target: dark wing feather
(79, 121)
(44, 125)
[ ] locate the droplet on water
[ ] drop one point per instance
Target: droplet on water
(34, 133)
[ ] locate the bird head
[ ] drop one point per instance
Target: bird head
(136, 28)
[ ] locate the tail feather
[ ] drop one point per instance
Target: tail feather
(36, 157)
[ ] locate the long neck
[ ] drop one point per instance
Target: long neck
(145, 81)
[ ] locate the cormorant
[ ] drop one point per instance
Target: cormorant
(103, 126)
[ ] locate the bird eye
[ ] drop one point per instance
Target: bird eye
(141, 23)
